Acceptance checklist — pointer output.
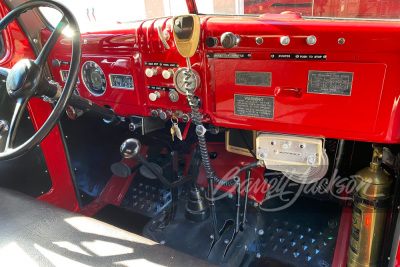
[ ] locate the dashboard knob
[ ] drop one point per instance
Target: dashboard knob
(130, 148)
(173, 95)
(185, 117)
(56, 63)
(285, 40)
(154, 96)
(151, 72)
(228, 40)
(163, 115)
(167, 74)
(211, 41)
(154, 113)
(311, 40)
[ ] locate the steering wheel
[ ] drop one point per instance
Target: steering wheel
(26, 78)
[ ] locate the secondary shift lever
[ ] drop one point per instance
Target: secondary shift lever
(131, 149)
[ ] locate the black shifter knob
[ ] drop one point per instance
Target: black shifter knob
(130, 148)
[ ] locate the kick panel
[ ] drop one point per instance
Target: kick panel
(319, 94)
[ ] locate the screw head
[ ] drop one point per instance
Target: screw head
(211, 236)
(341, 41)
(258, 255)
(226, 241)
(260, 231)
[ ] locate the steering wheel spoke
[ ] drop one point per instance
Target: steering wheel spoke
(20, 107)
(4, 71)
(44, 54)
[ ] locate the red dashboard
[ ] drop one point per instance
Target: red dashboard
(363, 57)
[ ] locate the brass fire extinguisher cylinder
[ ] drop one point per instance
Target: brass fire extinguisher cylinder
(371, 200)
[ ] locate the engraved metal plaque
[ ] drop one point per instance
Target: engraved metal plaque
(330, 82)
(254, 106)
(253, 78)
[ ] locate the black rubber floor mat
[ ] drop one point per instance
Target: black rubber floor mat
(302, 235)
(146, 196)
(122, 218)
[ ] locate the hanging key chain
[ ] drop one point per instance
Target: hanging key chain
(176, 129)
(173, 132)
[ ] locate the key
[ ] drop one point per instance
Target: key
(173, 132)
(178, 132)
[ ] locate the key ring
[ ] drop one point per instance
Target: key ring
(172, 120)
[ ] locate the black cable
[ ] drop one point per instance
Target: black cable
(247, 144)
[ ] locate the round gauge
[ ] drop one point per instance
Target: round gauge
(186, 81)
(93, 78)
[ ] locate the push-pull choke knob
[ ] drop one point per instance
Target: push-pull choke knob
(167, 74)
(130, 148)
(154, 96)
(151, 72)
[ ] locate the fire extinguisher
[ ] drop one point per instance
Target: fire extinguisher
(371, 197)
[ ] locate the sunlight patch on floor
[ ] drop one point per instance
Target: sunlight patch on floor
(106, 249)
(91, 226)
(14, 255)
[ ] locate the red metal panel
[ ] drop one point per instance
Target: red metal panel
(355, 113)
(62, 193)
(372, 114)
(342, 243)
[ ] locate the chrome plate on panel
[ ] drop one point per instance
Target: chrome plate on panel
(254, 106)
(330, 82)
(120, 81)
(251, 78)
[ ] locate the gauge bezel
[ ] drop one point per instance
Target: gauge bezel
(84, 80)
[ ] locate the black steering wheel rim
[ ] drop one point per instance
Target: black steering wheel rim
(58, 110)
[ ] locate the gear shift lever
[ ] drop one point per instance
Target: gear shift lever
(131, 148)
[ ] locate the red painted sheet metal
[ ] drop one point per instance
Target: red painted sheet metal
(62, 193)
(327, 113)
(342, 243)
(370, 50)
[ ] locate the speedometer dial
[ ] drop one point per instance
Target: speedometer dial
(93, 78)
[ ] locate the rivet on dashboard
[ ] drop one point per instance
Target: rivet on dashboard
(85, 41)
(259, 40)
(341, 41)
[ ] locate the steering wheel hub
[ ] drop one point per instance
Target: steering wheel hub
(22, 78)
